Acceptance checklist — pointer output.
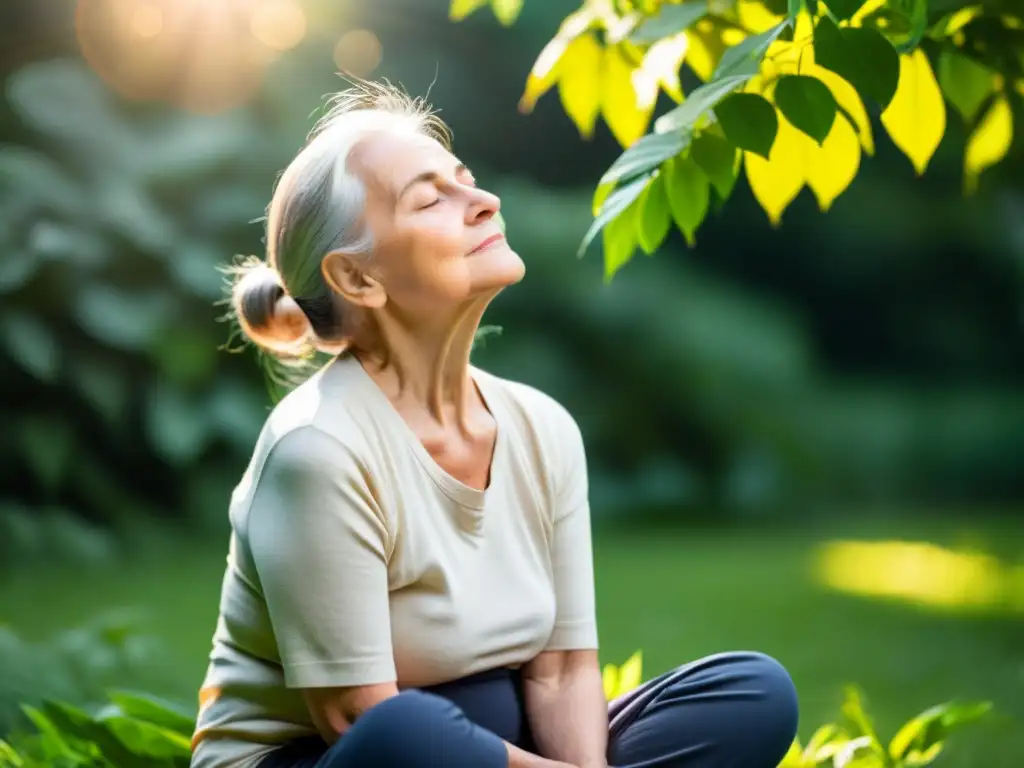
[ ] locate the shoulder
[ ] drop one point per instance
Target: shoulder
(534, 405)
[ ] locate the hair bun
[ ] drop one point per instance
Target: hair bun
(268, 316)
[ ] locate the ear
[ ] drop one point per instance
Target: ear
(347, 276)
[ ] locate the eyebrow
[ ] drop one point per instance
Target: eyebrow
(431, 176)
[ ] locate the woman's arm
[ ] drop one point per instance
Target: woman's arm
(566, 707)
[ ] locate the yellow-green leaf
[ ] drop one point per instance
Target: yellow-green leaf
(708, 41)
(777, 181)
(660, 69)
(989, 142)
(610, 681)
(916, 116)
(619, 238)
(655, 218)
(832, 166)
(579, 84)
(688, 195)
(966, 83)
(544, 73)
(793, 757)
(918, 757)
(849, 102)
(507, 11)
(620, 103)
(631, 673)
(460, 9)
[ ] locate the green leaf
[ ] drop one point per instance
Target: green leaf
(121, 320)
(916, 14)
(807, 103)
(655, 217)
(745, 57)
(79, 723)
(158, 711)
(645, 155)
(507, 11)
(853, 710)
(966, 83)
(47, 443)
(697, 104)
(31, 345)
(749, 121)
(145, 739)
(688, 196)
(614, 204)
(619, 238)
(718, 159)
(844, 9)
(460, 9)
(669, 20)
(860, 56)
(793, 8)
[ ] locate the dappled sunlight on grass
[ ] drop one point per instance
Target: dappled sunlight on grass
(922, 573)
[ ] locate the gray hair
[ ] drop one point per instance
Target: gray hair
(284, 305)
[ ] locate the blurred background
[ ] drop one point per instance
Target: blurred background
(806, 440)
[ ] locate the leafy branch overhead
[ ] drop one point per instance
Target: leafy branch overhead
(786, 93)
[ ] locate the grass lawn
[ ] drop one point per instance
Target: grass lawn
(676, 594)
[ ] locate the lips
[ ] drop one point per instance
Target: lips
(488, 242)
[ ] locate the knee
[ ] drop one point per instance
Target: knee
(390, 729)
(777, 710)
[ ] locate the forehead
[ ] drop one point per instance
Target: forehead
(389, 160)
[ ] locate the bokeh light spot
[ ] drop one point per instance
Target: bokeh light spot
(358, 52)
(279, 24)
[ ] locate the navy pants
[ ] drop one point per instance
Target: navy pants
(731, 710)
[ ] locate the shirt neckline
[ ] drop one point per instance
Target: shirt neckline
(471, 499)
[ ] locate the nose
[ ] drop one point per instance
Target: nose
(482, 206)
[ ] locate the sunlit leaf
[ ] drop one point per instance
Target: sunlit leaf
(686, 116)
(507, 11)
(614, 204)
(460, 9)
(631, 673)
(579, 84)
(707, 44)
(655, 218)
(545, 71)
(688, 195)
(745, 57)
(916, 117)
(660, 69)
(718, 159)
(793, 8)
(793, 757)
(861, 56)
(957, 20)
(748, 121)
(669, 20)
(917, 757)
(807, 103)
(989, 142)
(777, 181)
(620, 104)
(833, 166)
(965, 82)
(848, 101)
(610, 681)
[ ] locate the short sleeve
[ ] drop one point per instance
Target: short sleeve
(318, 540)
(572, 548)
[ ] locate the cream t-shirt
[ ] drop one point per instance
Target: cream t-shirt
(356, 559)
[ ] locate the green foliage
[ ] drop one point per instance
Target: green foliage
(787, 82)
(73, 666)
(856, 744)
(131, 731)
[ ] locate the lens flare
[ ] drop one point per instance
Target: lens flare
(358, 52)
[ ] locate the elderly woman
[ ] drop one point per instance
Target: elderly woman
(410, 581)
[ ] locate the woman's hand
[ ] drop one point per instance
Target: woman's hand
(520, 758)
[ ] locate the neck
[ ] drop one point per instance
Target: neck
(427, 367)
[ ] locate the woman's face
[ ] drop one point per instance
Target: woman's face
(437, 242)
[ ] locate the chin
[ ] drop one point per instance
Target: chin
(497, 269)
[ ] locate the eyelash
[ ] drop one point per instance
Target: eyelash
(471, 183)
